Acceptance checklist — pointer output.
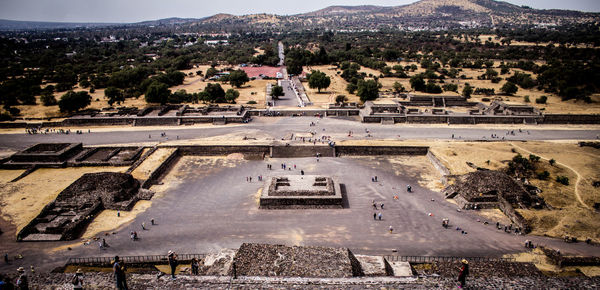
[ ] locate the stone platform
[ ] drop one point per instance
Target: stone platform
(301, 191)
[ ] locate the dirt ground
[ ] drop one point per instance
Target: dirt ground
(337, 87)
(29, 195)
(108, 220)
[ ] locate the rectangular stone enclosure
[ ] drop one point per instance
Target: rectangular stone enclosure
(301, 191)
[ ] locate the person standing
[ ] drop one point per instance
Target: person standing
(22, 282)
(464, 272)
(77, 280)
(172, 263)
(119, 272)
(195, 265)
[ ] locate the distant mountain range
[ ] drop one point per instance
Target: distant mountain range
(424, 14)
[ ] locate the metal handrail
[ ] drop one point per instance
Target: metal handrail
(427, 259)
(132, 259)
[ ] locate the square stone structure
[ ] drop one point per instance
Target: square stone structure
(301, 191)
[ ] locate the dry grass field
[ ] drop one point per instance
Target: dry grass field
(29, 195)
(570, 212)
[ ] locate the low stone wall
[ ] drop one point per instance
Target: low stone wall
(441, 168)
(302, 151)
(212, 150)
(570, 119)
(514, 216)
(342, 150)
(164, 121)
(158, 172)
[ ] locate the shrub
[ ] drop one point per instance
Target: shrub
(543, 175)
(541, 100)
(251, 102)
(552, 162)
(562, 180)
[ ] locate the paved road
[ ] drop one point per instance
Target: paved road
(281, 53)
(289, 99)
(270, 129)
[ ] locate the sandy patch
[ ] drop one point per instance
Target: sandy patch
(107, 220)
(153, 161)
(8, 175)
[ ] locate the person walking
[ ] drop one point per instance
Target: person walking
(379, 216)
(374, 216)
(464, 272)
(77, 280)
(119, 272)
(22, 281)
(391, 229)
(172, 263)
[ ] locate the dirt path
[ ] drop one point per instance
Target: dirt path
(564, 165)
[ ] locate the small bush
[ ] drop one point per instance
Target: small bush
(562, 180)
(251, 103)
(543, 175)
(541, 100)
(552, 162)
(534, 158)
(526, 99)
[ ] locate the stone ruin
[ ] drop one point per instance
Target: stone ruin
(285, 261)
(72, 154)
(301, 191)
(68, 215)
(493, 189)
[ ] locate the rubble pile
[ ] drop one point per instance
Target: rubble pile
(279, 260)
(480, 269)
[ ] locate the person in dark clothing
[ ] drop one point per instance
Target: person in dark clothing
(22, 281)
(173, 263)
(119, 272)
(464, 272)
(195, 265)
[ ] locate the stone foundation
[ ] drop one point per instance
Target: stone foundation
(301, 191)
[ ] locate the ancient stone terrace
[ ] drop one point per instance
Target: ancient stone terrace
(301, 191)
(71, 154)
(501, 108)
(69, 214)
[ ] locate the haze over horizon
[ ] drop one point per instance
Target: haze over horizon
(118, 11)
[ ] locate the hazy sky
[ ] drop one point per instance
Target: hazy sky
(140, 10)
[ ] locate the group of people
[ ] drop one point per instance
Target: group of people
(33, 131)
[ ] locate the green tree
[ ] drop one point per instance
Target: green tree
(340, 99)
(509, 88)
(211, 71)
(238, 78)
(294, 67)
(231, 95)
(277, 91)
(157, 92)
(48, 99)
(467, 91)
(417, 83)
(368, 90)
(398, 87)
(214, 93)
(318, 80)
(114, 95)
(74, 101)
